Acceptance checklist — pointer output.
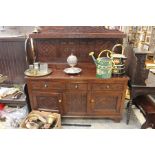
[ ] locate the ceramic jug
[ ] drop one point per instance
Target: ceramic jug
(72, 60)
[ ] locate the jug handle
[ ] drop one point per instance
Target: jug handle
(117, 45)
(108, 51)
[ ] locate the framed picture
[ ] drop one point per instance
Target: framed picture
(144, 28)
(139, 28)
(133, 29)
(146, 47)
(149, 29)
(142, 37)
(147, 39)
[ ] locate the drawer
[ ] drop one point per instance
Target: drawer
(107, 86)
(47, 85)
(77, 86)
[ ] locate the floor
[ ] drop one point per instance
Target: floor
(135, 122)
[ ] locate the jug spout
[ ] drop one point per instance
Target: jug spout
(92, 55)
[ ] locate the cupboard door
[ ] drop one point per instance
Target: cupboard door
(105, 103)
(75, 103)
(47, 101)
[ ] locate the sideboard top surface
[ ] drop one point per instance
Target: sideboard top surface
(58, 74)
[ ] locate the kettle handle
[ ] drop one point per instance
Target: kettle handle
(117, 45)
(108, 52)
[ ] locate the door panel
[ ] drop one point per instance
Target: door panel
(47, 101)
(75, 103)
(104, 102)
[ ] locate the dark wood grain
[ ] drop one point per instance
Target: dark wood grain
(75, 103)
(141, 81)
(78, 93)
(83, 95)
(147, 107)
(57, 50)
(55, 44)
(46, 101)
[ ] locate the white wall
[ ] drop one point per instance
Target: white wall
(15, 30)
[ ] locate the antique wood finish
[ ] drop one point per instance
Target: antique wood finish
(81, 95)
(48, 101)
(109, 103)
(75, 103)
(57, 50)
(141, 72)
(55, 44)
(13, 59)
(142, 82)
(146, 104)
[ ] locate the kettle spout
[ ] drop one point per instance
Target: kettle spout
(92, 55)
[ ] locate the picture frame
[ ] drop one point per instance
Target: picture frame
(139, 28)
(149, 29)
(147, 39)
(144, 28)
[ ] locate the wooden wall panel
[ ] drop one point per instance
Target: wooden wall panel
(13, 59)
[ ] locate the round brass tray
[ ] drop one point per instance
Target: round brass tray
(29, 73)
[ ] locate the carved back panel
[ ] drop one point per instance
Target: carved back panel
(55, 43)
(57, 50)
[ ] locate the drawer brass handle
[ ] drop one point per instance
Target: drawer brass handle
(92, 100)
(60, 101)
(45, 85)
(108, 86)
(76, 86)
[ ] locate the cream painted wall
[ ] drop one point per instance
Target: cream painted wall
(15, 30)
(125, 29)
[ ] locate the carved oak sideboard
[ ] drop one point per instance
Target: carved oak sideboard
(78, 96)
(81, 95)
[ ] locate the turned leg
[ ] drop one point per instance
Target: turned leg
(129, 106)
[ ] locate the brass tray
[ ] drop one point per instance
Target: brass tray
(29, 73)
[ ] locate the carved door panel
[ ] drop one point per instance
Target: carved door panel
(104, 103)
(75, 103)
(47, 101)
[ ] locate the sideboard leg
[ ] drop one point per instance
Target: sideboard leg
(129, 106)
